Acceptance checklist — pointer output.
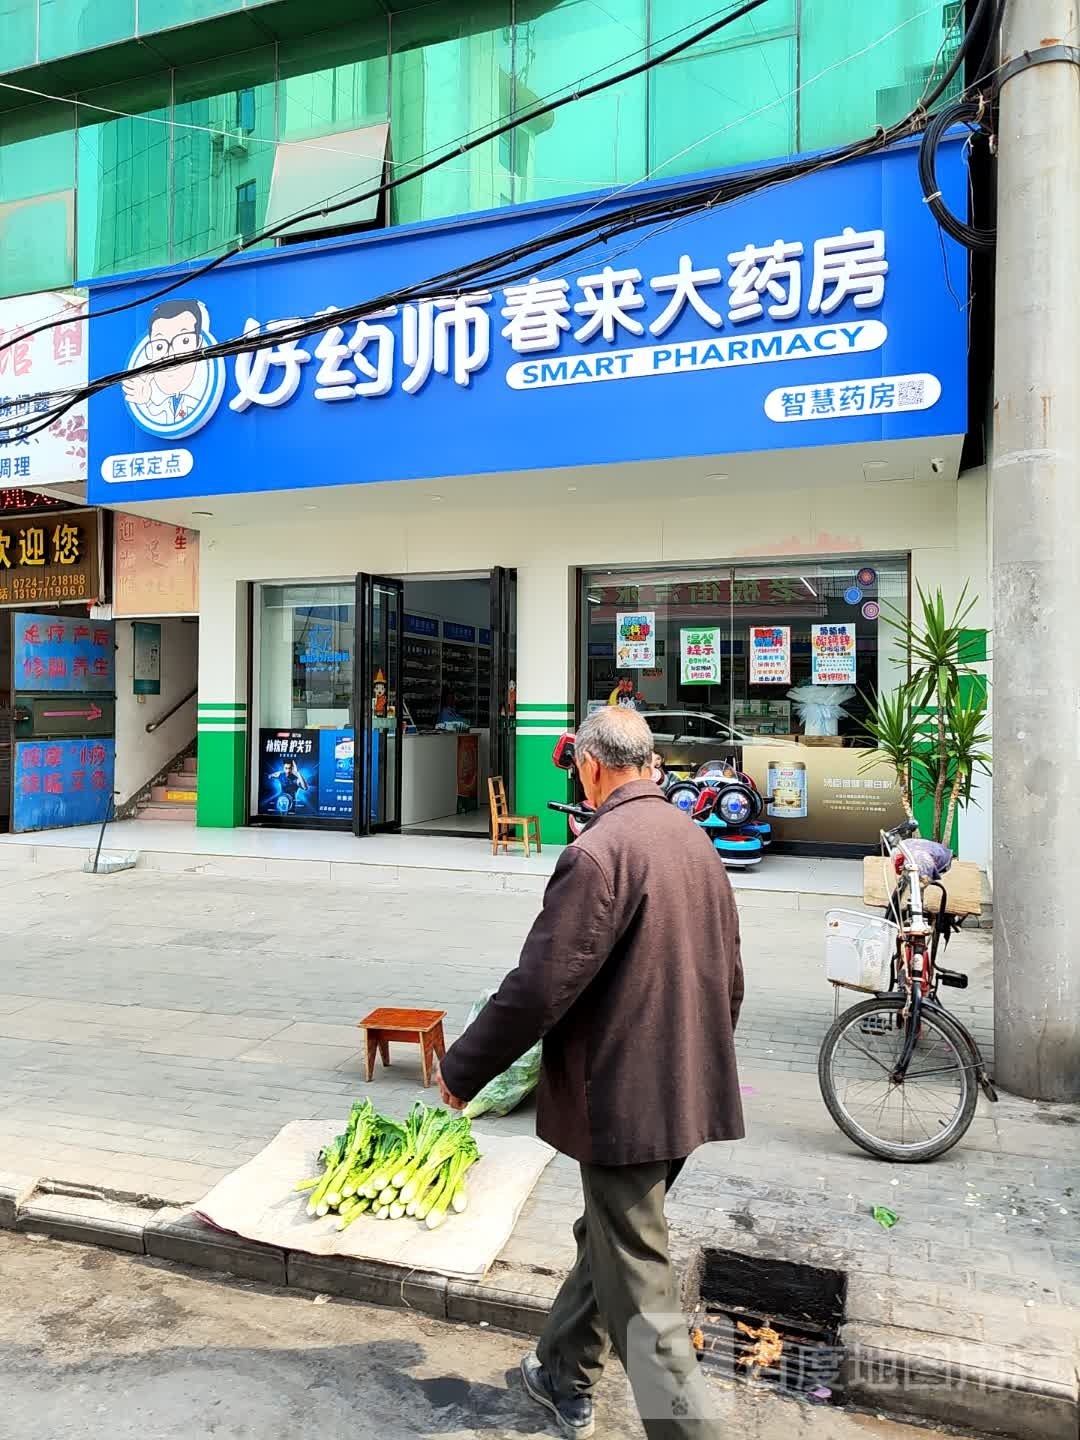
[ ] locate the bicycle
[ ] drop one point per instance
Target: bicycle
(885, 1056)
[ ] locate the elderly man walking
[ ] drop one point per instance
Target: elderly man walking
(632, 975)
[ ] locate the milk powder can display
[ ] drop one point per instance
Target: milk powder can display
(787, 787)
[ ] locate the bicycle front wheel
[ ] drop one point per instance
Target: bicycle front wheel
(922, 1116)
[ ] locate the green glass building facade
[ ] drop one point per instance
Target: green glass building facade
(160, 143)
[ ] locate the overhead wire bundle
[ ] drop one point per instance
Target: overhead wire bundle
(971, 108)
(522, 260)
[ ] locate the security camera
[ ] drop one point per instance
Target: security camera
(937, 465)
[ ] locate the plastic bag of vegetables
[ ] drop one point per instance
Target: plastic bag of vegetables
(508, 1090)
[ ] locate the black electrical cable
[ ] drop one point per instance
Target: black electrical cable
(971, 33)
(484, 137)
(961, 112)
(478, 274)
(970, 109)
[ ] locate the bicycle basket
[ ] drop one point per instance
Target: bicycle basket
(859, 950)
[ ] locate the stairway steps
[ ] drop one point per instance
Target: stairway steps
(183, 780)
(160, 810)
(173, 794)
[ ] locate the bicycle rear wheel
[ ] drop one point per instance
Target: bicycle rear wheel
(916, 1120)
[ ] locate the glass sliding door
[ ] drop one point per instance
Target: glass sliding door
(380, 623)
(503, 704)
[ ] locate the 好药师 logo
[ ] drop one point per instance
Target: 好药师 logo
(181, 397)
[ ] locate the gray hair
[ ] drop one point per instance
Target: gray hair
(618, 738)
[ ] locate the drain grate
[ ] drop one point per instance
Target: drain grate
(766, 1350)
(770, 1323)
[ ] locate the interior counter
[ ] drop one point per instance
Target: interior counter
(428, 777)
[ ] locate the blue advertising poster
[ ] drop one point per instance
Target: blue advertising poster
(812, 313)
(289, 773)
(306, 774)
(62, 782)
(336, 759)
(59, 652)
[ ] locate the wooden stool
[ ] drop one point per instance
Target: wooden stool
(411, 1027)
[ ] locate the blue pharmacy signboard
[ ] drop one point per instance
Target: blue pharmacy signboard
(813, 313)
(57, 652)
(61, 782)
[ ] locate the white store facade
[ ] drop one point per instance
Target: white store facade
(425, 525)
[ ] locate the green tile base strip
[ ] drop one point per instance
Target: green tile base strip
(222, 765)
(537, 780)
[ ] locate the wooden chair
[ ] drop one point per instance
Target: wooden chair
(503, 824)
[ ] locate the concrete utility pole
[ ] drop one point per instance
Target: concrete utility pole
(1035, 514)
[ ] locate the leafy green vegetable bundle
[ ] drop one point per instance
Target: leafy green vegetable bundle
(390, 1171)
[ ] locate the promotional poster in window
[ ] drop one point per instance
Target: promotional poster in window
(306, 774)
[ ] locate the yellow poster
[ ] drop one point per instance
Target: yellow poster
(156, 568)
(825, 794)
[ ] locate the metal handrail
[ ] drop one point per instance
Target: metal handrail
(155, 724)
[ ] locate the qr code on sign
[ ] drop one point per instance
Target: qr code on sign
(910, 392)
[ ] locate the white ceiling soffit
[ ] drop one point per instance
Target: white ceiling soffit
(708, 479)
(307, 171)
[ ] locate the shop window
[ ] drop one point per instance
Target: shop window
(302, 762)
(741, 78)
(222, 148)
(334, 81)
(18, 26)
(246, 212)
(305, 654)
(745, 91)
(448, 69)
(68, 27)
(37, 199)
(245, 110)
(150, 194)
(595, 142)
(892, 53)
(723, 650)
(124, 169)
(675, 19)
(166, 14)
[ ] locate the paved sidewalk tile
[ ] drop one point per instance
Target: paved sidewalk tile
(302, 1056)
(307, 1034)
(206, 1047)
(251, 1026)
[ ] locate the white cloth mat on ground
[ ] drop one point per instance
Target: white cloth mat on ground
(259, 1202)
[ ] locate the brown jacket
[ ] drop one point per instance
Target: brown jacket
(632, 975)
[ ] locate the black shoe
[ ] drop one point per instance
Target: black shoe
(575, 1415)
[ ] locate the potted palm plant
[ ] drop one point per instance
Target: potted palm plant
(932, 728)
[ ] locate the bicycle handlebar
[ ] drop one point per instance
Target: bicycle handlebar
(579, 812)
(900, 833)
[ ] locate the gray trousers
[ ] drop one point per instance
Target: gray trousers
(621, 1295)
